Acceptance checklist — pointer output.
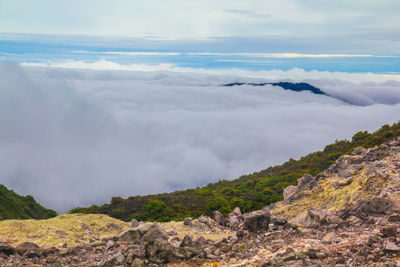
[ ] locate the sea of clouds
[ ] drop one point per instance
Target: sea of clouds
(71, 136)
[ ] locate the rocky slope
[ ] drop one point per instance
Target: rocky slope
(348, 215)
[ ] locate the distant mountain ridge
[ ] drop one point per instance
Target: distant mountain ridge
(297, 87)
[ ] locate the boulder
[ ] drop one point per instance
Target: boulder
(236, 211)
(155, 233)
(394, 218)
(187, 221)
(134, 252)
(186, 241)
(138, 263)
(315, 218)
(7, 249)
(207, 221)
(278, 221)
(27, 246)
(219, 218)
(257, 222)
(329, 238)
(130, 236)
(235, 218)
(389, 231)
(306, 182)
(235, 221)
(143, 233)
(29, 250)
(365, 208)
(160, 252)
(289, 192)
(390, 247)
(134, 223)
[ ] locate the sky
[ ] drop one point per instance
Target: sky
(292, 25)
(102, 98)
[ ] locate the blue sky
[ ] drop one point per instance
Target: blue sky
(276, 34)
(369, 26)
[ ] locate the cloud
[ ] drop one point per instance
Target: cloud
(255, 55)
(226, 75)
(77, 137)
(365, 93)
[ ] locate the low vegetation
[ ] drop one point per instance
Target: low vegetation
(249, 192)
(14, 206)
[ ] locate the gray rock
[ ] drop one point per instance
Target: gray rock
(187, 221)
(7, 249)
(138, 263)
(186, 241)
(219, 218)
(109, 244)
(160, 252)
(390, 247)
(236, 211)
(207, 220)
(289, 192)
(394, 218)
(28, 246)
(366, 207)
(143, 233)
(389, 231)
(315, 218)
(235, 221)
(134, 223)
(257, 222)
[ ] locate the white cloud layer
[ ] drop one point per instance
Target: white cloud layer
(226, 75)
(77, 137)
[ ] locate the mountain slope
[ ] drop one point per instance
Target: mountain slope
(347, 215)
(14, 206)
(249, 192)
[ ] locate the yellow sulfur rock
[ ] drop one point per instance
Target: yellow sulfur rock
(69, 229)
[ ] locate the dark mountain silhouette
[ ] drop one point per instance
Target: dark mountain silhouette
(297, 87)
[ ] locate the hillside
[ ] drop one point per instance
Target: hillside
(347, 215)
(14, 206)
(249, 192)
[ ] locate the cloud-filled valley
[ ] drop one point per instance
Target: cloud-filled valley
(74, 137)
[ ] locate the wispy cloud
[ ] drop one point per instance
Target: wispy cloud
(227, 54)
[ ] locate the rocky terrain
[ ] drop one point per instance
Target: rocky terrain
(348, 215)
